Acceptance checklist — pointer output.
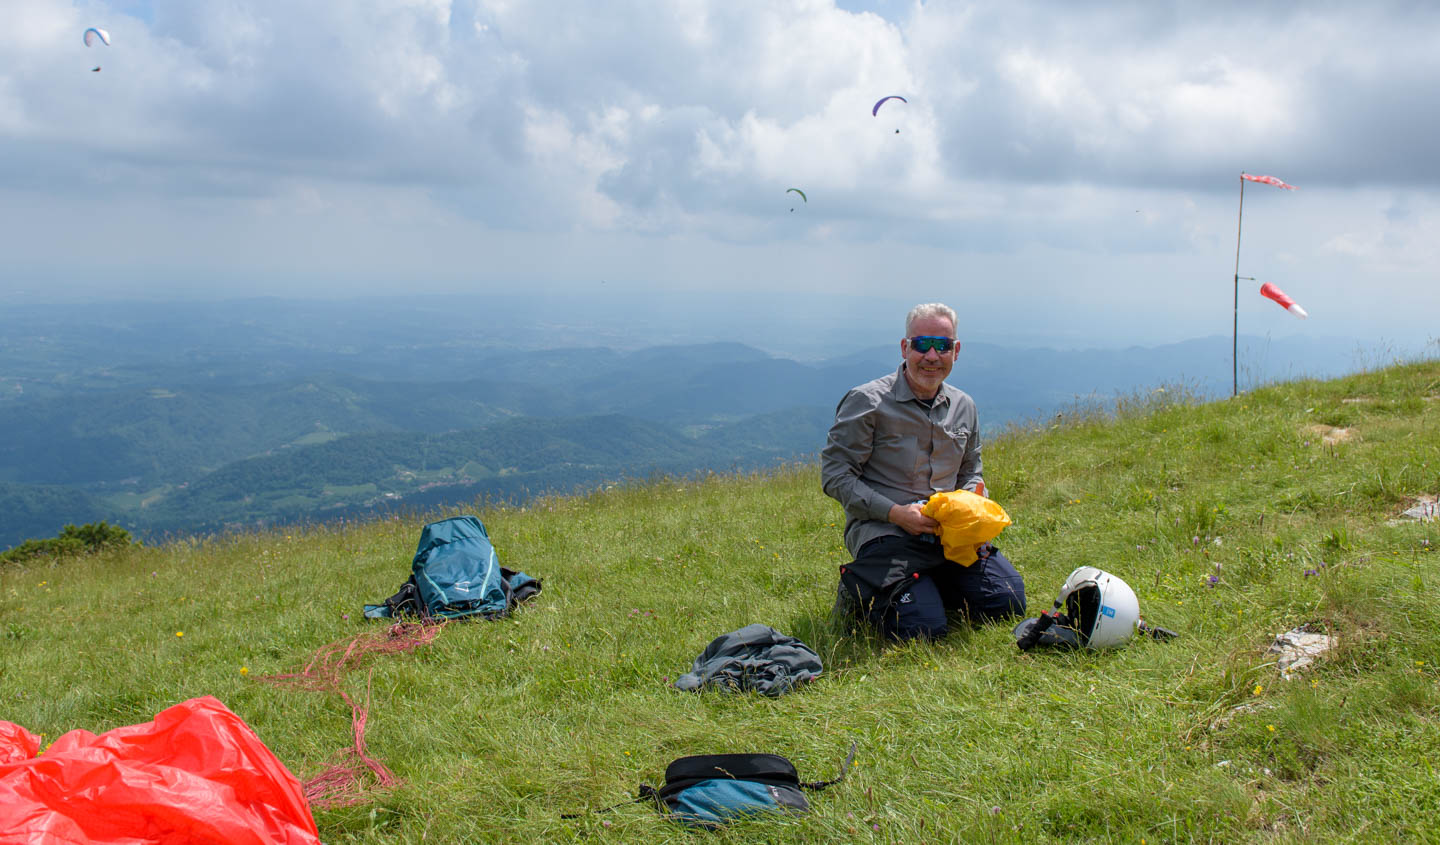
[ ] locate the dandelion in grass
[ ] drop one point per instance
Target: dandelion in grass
(179, 633)
(1270, 728)
(244, 670)
(1258, 689)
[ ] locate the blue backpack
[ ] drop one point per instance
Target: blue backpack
(711, 790)
(456, 573)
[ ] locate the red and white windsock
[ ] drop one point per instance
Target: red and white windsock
(1269, 291)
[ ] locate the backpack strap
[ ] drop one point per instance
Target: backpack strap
(844, 767)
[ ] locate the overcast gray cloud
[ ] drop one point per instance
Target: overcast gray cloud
(1057, 164)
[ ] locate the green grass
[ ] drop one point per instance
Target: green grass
(499, 728)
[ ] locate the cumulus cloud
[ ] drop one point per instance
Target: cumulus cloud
(1113, 131)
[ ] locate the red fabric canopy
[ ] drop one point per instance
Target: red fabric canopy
(196, 774)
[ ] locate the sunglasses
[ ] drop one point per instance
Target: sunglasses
(923, 343)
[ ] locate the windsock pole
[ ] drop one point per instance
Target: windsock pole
(1235, 316)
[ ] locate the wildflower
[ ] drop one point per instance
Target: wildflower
(1194, 541)
(994, 811)
(344, 616)
(875, 827)
(1270, 728)
(1314, 683)
(1258, 689)
(1310, 572)
(244, 670)
(1214, 579)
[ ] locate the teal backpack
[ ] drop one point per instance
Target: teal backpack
(455, 574)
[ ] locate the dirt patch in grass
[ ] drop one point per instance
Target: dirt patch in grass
(1330, 435)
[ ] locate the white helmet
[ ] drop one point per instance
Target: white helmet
(1102, 608)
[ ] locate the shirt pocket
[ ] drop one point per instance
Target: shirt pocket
(948, 453)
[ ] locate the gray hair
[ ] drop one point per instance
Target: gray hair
(931, 309)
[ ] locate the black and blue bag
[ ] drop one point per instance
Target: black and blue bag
(455, 573)
(710, 790)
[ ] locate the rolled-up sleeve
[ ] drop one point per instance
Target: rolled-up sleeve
(847, 449)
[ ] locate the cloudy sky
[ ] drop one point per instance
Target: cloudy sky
(1062, 168)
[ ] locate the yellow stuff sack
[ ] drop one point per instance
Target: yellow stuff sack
(966, 520)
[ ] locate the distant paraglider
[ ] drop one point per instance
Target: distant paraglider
(801, 193)
(875, 112)
(1269, 291)
(95, 35)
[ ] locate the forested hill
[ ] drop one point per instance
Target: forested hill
(510, 460)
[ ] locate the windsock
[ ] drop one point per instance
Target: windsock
(1269, 291)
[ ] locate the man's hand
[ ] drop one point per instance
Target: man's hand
(912, 519)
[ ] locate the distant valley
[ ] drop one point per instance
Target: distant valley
(171, 419)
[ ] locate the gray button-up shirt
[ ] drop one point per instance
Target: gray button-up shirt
(886, 448)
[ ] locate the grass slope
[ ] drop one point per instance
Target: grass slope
(499, 728)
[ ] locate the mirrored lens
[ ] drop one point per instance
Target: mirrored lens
(925, 343)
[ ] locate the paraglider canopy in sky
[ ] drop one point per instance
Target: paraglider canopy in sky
(875, 112)
(95, 35)
(801, 193)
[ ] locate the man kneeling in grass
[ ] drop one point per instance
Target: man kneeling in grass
(896, 441)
